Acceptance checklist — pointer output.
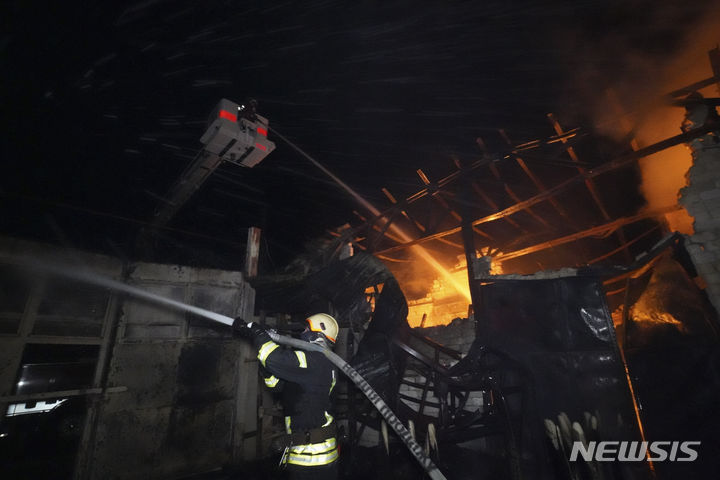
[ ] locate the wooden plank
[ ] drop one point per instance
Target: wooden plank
(446, 205)
(590, 184)
(417, 224)
(693, 87)
(404, 212)
(437, 197)
(486, 198)
(383, 231)
(600, 229)
(375, 227)
(628, 159)
(518, 207)
(244, 417)
(618, 163)
(496, 173)
(487, 159)
(621, 247)
(252, 252)
(538, 183)
(573, 156)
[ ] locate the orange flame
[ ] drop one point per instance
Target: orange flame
(665, 173)
(442, 304)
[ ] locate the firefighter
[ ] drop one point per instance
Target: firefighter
(305, 380)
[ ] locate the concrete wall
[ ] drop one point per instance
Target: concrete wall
(173, 394)
(701, 198)
(190, 403)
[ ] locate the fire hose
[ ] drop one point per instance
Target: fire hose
(93, 278)
(425, 462)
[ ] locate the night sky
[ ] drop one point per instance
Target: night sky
(103, 105)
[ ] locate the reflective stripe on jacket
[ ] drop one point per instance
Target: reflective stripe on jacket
(313, 454)
(307, 378)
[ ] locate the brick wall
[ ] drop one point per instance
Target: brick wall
(701, 198)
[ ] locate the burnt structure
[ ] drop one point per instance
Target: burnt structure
(577, 352)
(542, 353)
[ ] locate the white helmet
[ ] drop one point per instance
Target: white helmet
(325, 324)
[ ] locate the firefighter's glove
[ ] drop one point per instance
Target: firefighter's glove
(250, 330)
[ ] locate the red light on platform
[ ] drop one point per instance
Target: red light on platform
(228, 115)
(261, 147)
(262, 131)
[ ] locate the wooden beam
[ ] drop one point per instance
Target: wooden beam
(496, 173)
(486, 198)
(693, 87)
(419, 225)
(610, 226)
(252, 252)
(494, 205)
(375, 227)
(437, 197)
(392, 199)
(620, 162)
(383, 230)
(538, 183)
(621, 247)
(629, 158)
(446, 205)
(590, 184)
(575, 134)
(633, 273)
(573, 156)
(515, 198)
(494, 216)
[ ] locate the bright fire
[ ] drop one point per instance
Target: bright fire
(640, 315)
(443, 303)
(664, 173)
(643, 313)
(452, 279)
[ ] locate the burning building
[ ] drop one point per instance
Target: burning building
(505, 307)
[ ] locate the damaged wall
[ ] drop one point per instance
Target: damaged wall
(191, 389)
(171, 394)
(701, 198)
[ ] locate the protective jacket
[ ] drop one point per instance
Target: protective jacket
(306, 380)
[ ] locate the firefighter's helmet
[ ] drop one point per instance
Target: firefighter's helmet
(325, 324)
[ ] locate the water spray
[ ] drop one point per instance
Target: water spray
(421, 252)
(87, 276)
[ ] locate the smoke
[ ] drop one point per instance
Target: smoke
(415, 277)
(623, 77)
(664, 173)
